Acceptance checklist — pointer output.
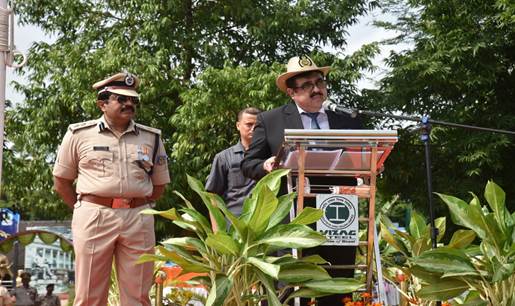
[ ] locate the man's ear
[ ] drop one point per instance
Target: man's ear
(290, 92)
(101, 104)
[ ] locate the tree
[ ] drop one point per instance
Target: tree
(198, 60)
(460, 69)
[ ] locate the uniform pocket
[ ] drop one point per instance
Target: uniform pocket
(85, 224)
(99, 162)
(138, 168)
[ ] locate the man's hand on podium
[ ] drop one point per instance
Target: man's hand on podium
(270, 164)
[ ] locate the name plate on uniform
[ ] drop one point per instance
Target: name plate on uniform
(339, 223)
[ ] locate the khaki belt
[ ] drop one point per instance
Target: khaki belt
(115, 202)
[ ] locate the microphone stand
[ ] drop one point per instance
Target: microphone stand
(425, 132)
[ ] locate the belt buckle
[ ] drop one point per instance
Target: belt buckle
(121, 203)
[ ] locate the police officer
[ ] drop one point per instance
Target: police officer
(120, 167)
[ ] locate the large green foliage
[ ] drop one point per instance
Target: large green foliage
(239, 253)
(459, 68)
(199, 61)
(486, 272)
(488, 268)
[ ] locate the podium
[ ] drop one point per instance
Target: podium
(333, 156)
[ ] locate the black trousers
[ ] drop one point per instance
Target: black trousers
(335, 255)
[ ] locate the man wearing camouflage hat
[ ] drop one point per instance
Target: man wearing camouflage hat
(120, 167)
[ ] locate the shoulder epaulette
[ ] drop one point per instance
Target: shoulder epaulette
(148, 129)
(77, 126)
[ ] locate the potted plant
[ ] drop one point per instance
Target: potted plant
(239, 254)
(467, 273)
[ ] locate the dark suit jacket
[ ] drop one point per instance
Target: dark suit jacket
(268, 135)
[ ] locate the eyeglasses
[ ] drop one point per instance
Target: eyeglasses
(124, 99)
(309, 86)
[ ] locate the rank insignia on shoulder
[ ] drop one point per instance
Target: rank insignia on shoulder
(81, 125)
(161, 160)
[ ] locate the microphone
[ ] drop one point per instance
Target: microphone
(330, 105)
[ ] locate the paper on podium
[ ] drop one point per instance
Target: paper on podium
(319, 159)
(355, 160)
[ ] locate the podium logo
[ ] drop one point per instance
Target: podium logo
(339, 212)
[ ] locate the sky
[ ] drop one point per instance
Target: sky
(361, 33)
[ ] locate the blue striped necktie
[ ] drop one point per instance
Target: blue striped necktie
(314, 121)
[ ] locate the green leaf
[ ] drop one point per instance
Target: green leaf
(188, 225)
(445, 260)
(272, 180)
(315, 259)
(421, 245)
(292, 236)
(417, 225)
(306, 293)
(443, 290)
(473, 298)
(215, 212)
(187, 242)
(308, 215)
(426, 276)
(335, 285)
(266, 204)
(301, 272)
(267, 268)
(496, 198)
(223, 243)
(188, 203)
(283, 209)
(186, 264)
(249, 205)
(502, 271)
(460, 213)
(440, 225)
(392, 240)
(240, 226)
(168, 214)
(150, 258)
(462, 239)
(272, 298)
(219, 291)
(492, 233)
(197, 217)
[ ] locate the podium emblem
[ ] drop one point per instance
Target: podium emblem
(339, 223)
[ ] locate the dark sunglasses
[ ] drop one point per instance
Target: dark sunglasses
(124, 99)
(308, 86)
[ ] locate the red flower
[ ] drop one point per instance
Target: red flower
(400, 277)
(346, 300)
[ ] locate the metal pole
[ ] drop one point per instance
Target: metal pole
(425, 137)
(3, 53)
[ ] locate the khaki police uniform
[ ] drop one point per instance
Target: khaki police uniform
(115, 175)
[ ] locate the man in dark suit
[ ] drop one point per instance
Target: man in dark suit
(304, 82)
